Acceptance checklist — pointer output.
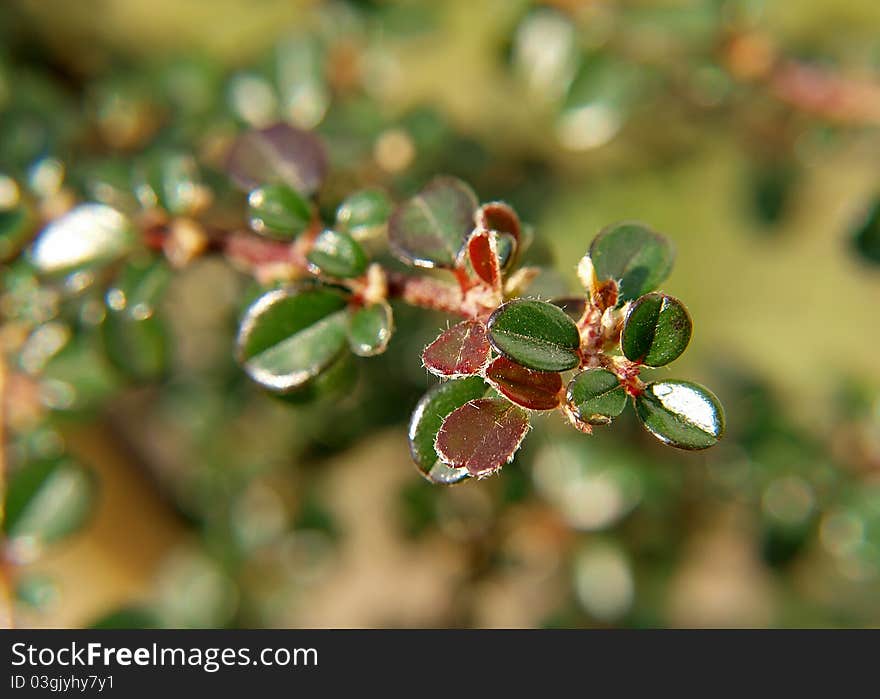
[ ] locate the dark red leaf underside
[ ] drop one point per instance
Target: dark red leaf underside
(498, 216)
(535, 390)
(462, 350)
(482, 435)
(483, 255)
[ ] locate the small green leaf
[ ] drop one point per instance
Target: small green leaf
(771, 186)
(535, 334)
(140, 348)
(681, 414)
(370, 329)
(135, 337)
(288, 336)
(169, 181)
(596, 396)
(89, 235)
(461, 350)
(278, 154)
(334, 382)
(634, 255)
(866, 235)
(426, 419)
(535, 390)
(656, 330)
(482, 435)
(364, 213)
(79, 378)
(338, 255)
(277, 211)
(48, 500)
(429, 229)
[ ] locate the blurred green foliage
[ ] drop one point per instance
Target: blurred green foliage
(576, 113)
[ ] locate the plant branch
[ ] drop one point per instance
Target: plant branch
(272, 260)
(809, 88)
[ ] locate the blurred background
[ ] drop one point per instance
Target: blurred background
(155, 486)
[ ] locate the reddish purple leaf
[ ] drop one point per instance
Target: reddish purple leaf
(482, 435)
(463, 350)
(482, 251)
(535, 390)
(499, 217)
(278, 153)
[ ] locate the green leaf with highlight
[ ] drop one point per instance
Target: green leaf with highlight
(429, 229)
(681, 414)
(596, 396)
(289, 336)
(656, 330)
(48, 500)
(535, 334)
(338, 255)
(370, 329)
(426, 419)
(634, 255)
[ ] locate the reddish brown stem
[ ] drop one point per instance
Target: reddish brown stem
(426, 292)
(812, 89)
(255, 253)
(821, 92)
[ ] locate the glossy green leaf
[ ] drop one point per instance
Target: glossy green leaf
(300, 68)
(535, 390)
(426, 419)
(86, 236)
(866, 234)
(337, 254)
(139, 287)
(656, 330)
(771, 186)
(47, 500)
(278, 154)
(364, 213)
(170, 181)
(108, 180)
(596, 396)
(370, 329)
(135, 337)
(79, 378)
(277, 211)
(461, 350)
(482, 435)
(598, 101)
(140, 348)
(633, 255)
(535, 334)
(681, 414)
(507, 251)
(288, 336)
(334, 382)
(429, 229)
